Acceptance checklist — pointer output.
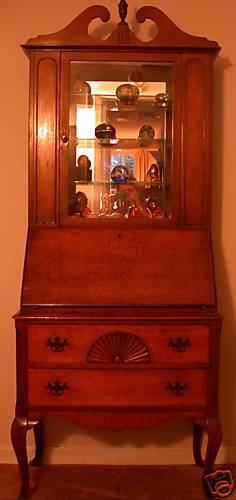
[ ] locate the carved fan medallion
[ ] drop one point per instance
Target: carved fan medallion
(118, 347)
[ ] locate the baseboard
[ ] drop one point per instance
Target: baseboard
(119, 456)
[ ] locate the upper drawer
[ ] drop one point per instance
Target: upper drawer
(63, 344)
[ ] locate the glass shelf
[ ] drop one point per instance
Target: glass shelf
(111, 103)
(146, 184)
(122, 143)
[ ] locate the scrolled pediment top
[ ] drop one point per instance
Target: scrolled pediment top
(76, 33)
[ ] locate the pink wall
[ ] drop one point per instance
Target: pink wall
(19, 21)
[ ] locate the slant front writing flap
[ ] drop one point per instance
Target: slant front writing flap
(72, 266)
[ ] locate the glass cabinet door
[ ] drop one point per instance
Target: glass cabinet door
(120, 141)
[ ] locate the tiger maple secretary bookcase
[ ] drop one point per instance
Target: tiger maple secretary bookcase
(118, 325)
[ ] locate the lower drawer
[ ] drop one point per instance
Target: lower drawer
(52, 387)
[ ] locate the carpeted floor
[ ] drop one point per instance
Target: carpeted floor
(102, 482)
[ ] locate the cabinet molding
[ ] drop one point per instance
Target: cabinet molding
(44, 162)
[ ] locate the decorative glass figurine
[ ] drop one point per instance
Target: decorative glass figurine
(81, 87)
(127, 93)
(105, 131)
(82, 90)
(155, 211)
(81, 207)
(84, 172)
(153, 173)
(163, 100)
(146, 135)
(120, 174)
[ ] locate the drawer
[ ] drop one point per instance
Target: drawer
(79, 345)
(94, 387)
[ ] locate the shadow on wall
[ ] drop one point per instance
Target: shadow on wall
(58, 432)
(225, 300)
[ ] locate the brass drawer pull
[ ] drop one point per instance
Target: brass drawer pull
(178, 388)
(178, 344)
(56, 388)
(56, 344)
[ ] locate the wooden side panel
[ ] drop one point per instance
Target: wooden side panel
(197, 139)
(44, 166)
(73, 266)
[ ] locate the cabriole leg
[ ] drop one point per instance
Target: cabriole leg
(214, 433)
(18, 436)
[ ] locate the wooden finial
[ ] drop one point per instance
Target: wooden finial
(123, 7)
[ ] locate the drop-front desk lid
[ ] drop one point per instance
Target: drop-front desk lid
(118, 267)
